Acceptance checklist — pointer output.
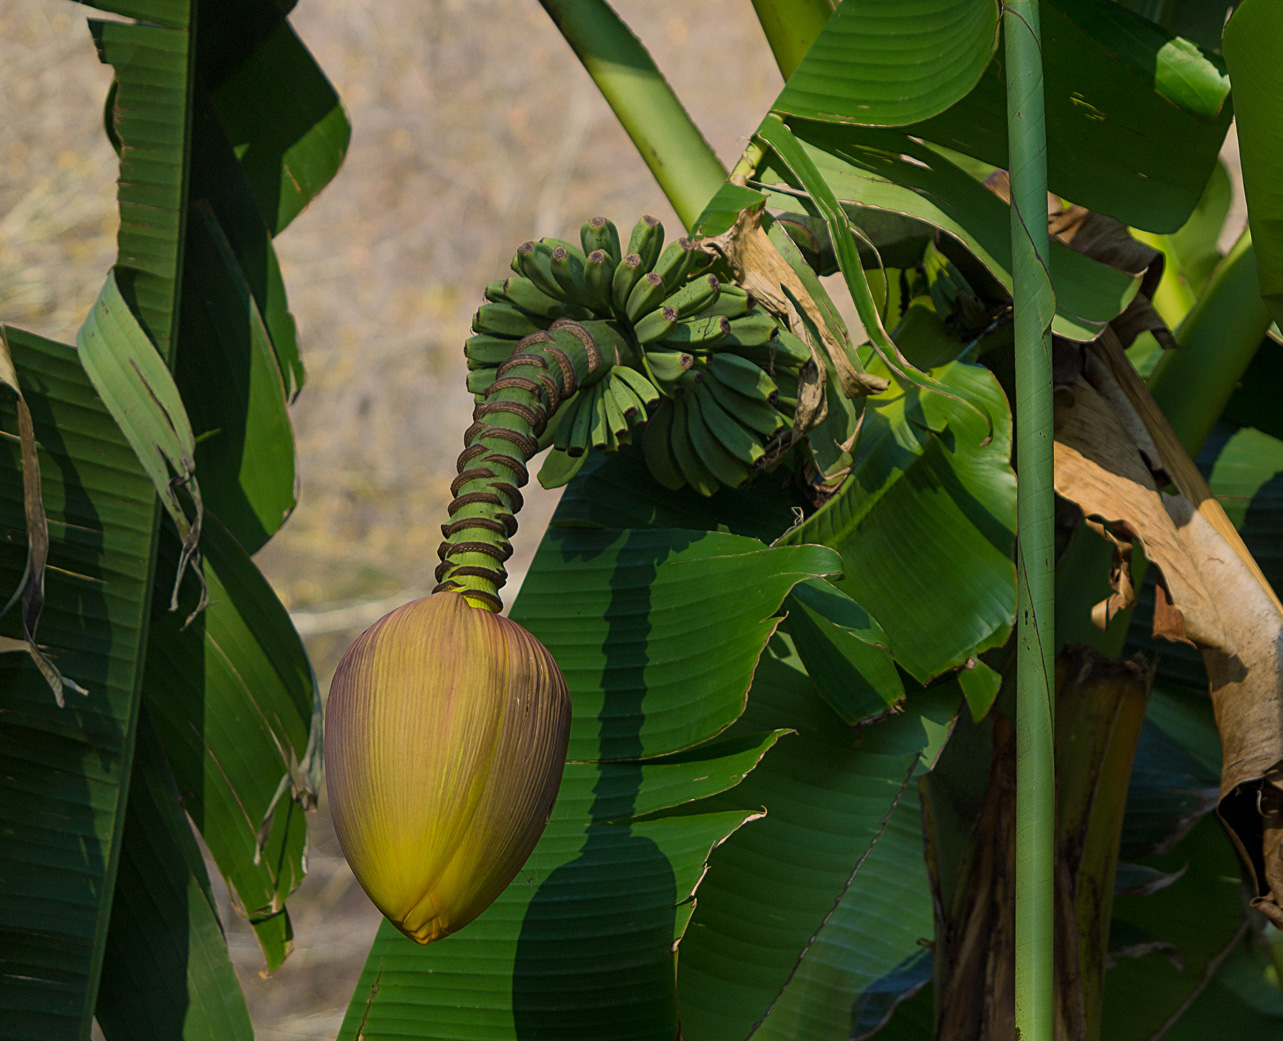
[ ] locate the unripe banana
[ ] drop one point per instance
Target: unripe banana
(721, 463)
(657, 448)
(568, 272)
(694, 297)
(505, 320)
(525, 295)
(697, 475)
(566, 420)
(655, 326)
(734, 436)
(479, 380)
(647, 295)
(702, 333)
(559, 468)
(601, 233)
(534, 261)
(601, 435)
(667, 367)
(598, 270)
(754, 413)
(646, 391)
(616, 424)
(753, 329)
(484, 349)
(742, 375)
(647, 240)
(628, 273)
(733, 302)
(675, 263)
(581, 430)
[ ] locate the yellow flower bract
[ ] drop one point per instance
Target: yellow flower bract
(445, 737)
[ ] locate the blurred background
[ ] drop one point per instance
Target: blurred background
(474, 128)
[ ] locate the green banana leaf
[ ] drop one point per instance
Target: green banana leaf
(166, 971)
(657, 632)
(64, 771)
(887, 174)
(1135, 116)
(1161, 943)
(892, 62)
(1252, 38)
(771, 950)
(926, 521)
(839, 640)
(706, 600)
(235, 705)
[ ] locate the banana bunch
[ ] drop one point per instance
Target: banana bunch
(693, 355)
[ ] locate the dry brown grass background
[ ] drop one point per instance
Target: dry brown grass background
(474, 128)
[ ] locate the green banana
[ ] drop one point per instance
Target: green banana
(565, 421)
(601, 233)
(667, 366)
(794, 351)
(616, 423)
(675, 262)
(753, 329)
(721, 463)
(657, 447)
(647, 295)
(598, 270)
(559, 467)
(655, 326)
(647, 240)
(700, 333)
(534, 263)
(733, 302)
(601, 435)
(646, 392)
(568, 271)
(524, 294)
(694, 297)
(581, 431)
(742, 375)
(555, 421)
(505, 320)
(692, 467)
(754, 413)
(728, 427)
(483, 349)
(479, 380)
(631, 408)
(628, 272)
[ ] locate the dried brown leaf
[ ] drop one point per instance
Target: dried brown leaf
(1212, 591)
(759, 268)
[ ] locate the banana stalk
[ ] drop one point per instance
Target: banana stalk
(447, 724)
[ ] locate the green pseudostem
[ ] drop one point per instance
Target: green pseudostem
(546, 369)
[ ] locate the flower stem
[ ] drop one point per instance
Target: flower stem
(1034, 308)
(545, 370)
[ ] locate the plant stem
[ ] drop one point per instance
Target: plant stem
(1218, 339)
(686, 168)
(791, 26)
(545, 369)
(1034, 308)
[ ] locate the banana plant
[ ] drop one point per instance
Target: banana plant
(155, 689)
(742, 759)
(789, 806)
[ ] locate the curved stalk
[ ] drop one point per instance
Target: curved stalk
(791, 26)
(546, 369)
(1218, 339)
(1034, 307)
(686, 168)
